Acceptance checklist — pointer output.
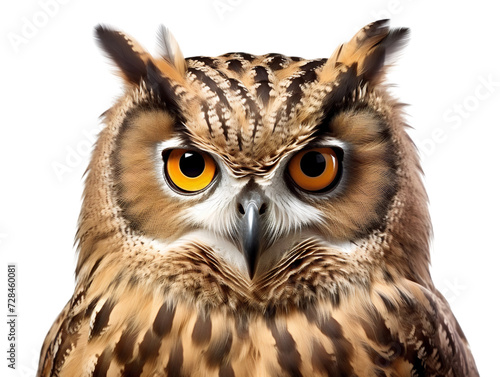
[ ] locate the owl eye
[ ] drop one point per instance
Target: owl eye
(187, 170)
(315, 170)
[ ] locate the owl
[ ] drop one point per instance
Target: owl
(258, 216)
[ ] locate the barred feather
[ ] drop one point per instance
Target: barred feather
(342, 287)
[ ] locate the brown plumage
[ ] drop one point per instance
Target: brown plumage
(255, 273)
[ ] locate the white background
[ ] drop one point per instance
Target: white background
(55, 83)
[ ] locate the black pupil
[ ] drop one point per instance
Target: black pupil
(313, 164)
(192, 164)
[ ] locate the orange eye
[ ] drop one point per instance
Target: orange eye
(189, 171)
(314, 169)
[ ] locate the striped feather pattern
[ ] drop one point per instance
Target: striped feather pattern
(327, 325)
(151, 301)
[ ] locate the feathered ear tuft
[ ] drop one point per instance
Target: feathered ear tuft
(170, 50)
(125, 52)
(164, 88)
(370, 50)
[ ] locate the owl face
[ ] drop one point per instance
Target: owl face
(250, 155)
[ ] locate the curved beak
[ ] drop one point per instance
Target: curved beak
(251, 229)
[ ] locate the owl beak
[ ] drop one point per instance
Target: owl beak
(250, 231)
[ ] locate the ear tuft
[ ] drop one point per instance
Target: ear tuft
(371, 49)
(170, 50)
(164, 88)
(125, 52)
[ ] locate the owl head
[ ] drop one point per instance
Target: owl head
(250, 156)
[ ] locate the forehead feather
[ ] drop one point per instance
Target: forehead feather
(247, 106)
